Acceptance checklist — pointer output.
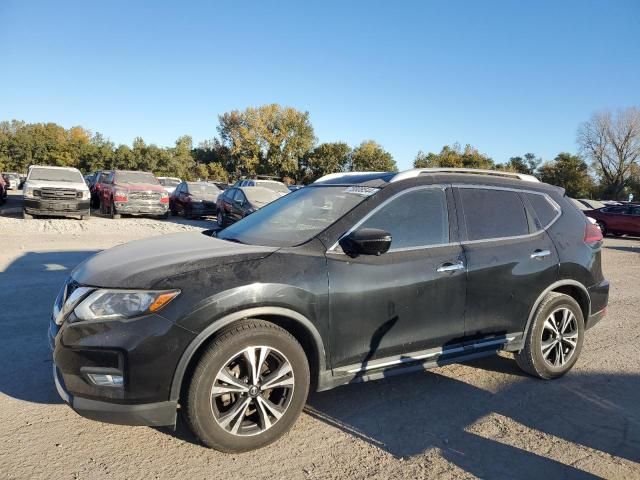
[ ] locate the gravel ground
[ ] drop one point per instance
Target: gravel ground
(481, 419)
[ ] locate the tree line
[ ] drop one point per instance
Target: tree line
(279, 141)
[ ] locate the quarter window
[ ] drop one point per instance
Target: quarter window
(544, 210)
(493, 213)
(414, 219)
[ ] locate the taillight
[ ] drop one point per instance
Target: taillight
(164, 198)
(592, 233)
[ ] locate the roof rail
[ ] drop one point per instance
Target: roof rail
(497, 173)
(331, 176)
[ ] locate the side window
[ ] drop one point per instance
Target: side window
(614, 210)
(635, 211)
(493, 213)
(415, 219)
(545, 211)
(239, 197)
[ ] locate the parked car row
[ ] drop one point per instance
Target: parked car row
(617, 220)
(65, 192)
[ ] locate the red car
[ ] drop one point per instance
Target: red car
(132, 193)
(617, 219)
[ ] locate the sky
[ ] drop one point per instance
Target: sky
(507, 77)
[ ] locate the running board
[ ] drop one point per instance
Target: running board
(423, 360)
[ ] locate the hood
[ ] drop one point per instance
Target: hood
(140, 187)
(55, 184)
(142, 263)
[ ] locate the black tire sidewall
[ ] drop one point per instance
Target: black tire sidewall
(200, 413)
(541, 366)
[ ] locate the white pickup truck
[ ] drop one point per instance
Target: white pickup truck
(56, 191)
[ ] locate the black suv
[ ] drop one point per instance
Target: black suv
(356, 277)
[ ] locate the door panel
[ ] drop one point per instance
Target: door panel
(398, 302)
(394, 303)
(507, 267)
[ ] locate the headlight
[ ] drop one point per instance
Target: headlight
(86, 194)
(122, 304)
(28, 192)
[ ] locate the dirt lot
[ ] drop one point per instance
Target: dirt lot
(482, 419)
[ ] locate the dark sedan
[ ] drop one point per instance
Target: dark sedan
(238, 202)
(617, 219)
(194, 199)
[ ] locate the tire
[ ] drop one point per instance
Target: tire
(257, 426)
(220, 219)
(552, 363)
(26, 216)
(164, 216)
(112, 211)
(603, 228)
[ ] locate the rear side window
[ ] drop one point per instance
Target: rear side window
(417, 218)
(545, 211)
(614, 209)
(493, 213)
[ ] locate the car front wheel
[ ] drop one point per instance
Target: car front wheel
(555, 338)
(248, 388)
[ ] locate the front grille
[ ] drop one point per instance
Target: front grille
(49, 193)
(148, 196)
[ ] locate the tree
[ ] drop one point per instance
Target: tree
(569, 172)
(324, 159)
(269, 139)
(369, 156)
(527, 164)
(217, 172)
(612, 142)
(454, 156)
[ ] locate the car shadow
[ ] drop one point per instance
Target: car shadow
(635, 249)
(28, 288)
(408, 415)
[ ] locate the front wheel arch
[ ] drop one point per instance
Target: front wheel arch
(296, 324)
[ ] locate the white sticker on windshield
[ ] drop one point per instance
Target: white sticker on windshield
(362, 191)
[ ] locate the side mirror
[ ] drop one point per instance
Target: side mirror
(366, 241)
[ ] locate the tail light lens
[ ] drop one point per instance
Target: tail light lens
(164, 198)
(592, 234)
(121, 196)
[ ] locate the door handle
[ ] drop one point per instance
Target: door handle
(450, 267)
(540, 254)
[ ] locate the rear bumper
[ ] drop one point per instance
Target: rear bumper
(151, 414)
(34, 206)
(599, 295)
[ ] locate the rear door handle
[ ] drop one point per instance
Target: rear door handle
(540, 254)
(450, 267)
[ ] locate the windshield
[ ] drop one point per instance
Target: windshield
(297, 217)
(203, 189)
(55, 175)
(274, 186)
(136, 177)
(169, 182)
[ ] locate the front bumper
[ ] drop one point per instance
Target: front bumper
(144, 351)
(36, 206)
(142, 208)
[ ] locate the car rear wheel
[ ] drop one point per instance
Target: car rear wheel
(249, 387)
(555, 338)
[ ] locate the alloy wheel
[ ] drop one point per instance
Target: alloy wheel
(252, 391)
(559, 337)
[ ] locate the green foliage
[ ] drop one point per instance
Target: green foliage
(527, 164)
(269, 139)
(369, 156)
(569, 172)
(324, 159)
(453, 156)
